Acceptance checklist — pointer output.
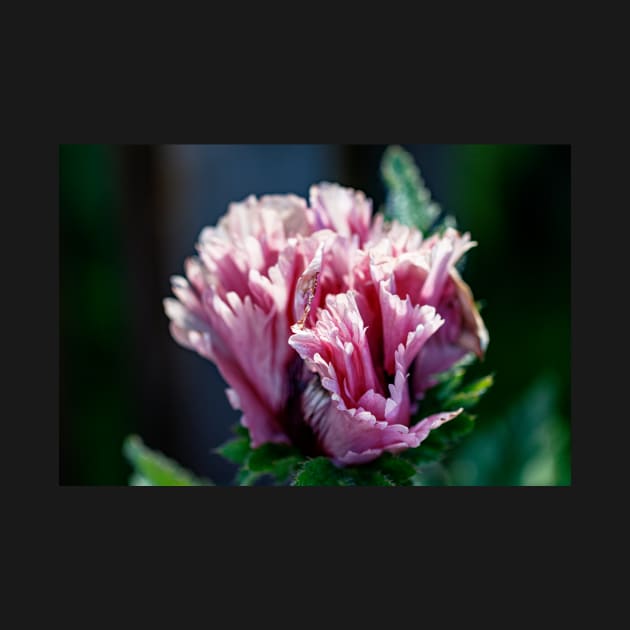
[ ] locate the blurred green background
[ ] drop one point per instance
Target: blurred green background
(129, 215)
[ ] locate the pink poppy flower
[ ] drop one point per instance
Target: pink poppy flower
(328, 327)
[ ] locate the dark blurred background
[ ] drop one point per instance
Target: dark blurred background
(130, 215)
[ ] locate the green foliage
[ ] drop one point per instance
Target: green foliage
(155, 469)
(236, 450)
(279, 461)
(451, 393)
(361, 477)
(267, 456)
(408, 199)
(396, 469)
(528, 443)
(448, 395)
(319, 471)
(469, 395)
(387, 470)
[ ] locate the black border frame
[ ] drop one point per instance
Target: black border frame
(259, 524)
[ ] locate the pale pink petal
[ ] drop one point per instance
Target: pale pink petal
(444, 252)
(182, 317)
(181, 336)
(292, 212)
(425, 426)
(404, 323)
(186, 294)
(196, 274)
(392, 238)
(343, 210)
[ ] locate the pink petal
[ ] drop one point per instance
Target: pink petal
(350, 439)
(406, 324)
(343, 210)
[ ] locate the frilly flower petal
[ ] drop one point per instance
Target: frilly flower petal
(343, 210)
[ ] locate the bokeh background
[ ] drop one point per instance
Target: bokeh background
(130, 215)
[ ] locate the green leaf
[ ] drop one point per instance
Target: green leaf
(469, 395)
(447, 395)
(408, 199)
(320, 471)
(284, 469)
(365, 475)
(398, 470)
(278, 460)
(265, 457)
(387, 470)
(155, 469)
(370, 478)
(235, 450)
(447, 387)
